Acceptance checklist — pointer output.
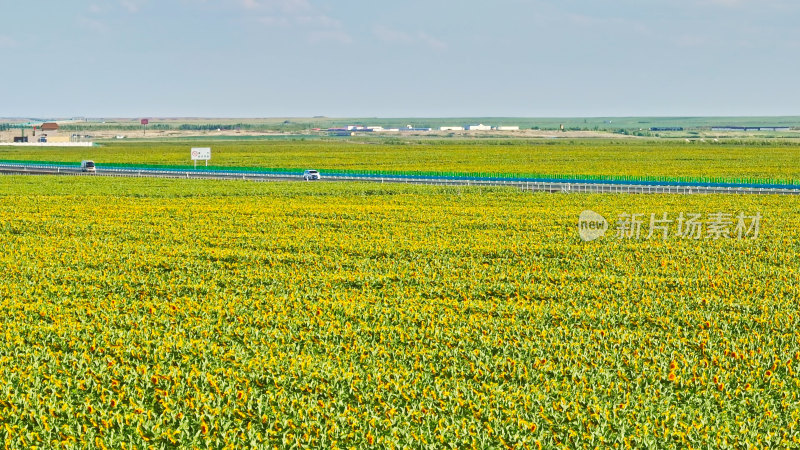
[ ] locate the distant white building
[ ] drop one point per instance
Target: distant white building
(508, 128)
(479, 127)
(451, 128)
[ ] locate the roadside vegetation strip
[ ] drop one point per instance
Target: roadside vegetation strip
(160, 313)
(721, 182)
(670, 159)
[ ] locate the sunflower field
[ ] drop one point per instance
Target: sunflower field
(199, 314)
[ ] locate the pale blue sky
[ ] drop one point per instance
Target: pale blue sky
(356, 58)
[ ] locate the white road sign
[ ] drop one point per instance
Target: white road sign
(201, 153)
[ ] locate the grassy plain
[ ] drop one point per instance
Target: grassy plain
(194, 313)
(759, 159)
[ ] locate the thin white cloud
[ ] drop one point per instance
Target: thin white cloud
(431, 41)
(132, 6)
(393, 36)
(298, 15)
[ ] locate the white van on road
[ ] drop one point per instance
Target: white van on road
(87, 165)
